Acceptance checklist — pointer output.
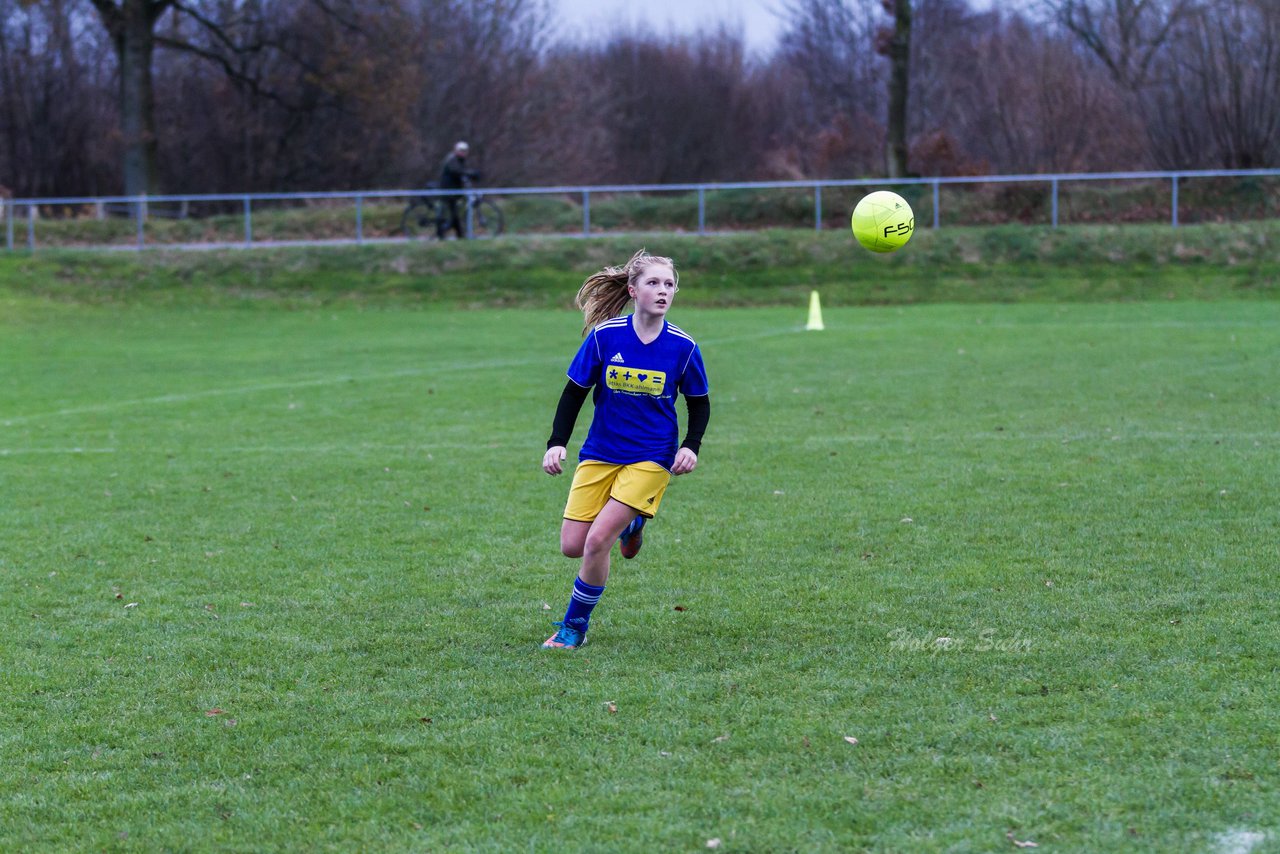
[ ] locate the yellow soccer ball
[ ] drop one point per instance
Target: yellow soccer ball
(883, 221)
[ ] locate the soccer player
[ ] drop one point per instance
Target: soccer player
(636, 364)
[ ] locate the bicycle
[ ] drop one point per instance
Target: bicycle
(424, 217)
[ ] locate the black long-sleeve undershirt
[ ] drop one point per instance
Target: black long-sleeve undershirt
(699, 415)
(571, 400)
(574, 395)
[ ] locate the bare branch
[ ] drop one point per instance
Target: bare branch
(156, 8)
(235, 74)
(112, 17)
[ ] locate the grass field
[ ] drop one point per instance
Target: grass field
(275, 572)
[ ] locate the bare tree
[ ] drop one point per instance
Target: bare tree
(1225, 67)
(131, 25)
(1126, 35)
(228, 34)
(318, 94)
(52, 87)
(479, 64)
(1203, 74)
(1008, 95)
(947, 96)
(896, 45)
(675, 110)
(837, 84)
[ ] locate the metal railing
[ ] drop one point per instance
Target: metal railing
(142, 208)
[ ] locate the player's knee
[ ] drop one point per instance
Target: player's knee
(597, 543)
(570, 549)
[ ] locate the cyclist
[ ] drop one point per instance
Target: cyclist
(454, 175)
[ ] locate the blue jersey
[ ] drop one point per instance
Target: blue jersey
(635, 390)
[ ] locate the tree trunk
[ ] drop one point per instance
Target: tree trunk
(132, 28)
(137, 100)
(899, 84)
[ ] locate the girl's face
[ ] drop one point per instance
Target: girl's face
(654, 289)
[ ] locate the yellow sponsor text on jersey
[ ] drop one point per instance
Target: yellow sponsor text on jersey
(635, 380)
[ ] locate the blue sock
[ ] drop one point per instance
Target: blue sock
(585, 596)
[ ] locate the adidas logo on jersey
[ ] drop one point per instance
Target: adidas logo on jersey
(617, 357)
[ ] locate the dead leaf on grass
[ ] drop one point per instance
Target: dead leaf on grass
(850, 739)
(720, 738)
(1027, 844)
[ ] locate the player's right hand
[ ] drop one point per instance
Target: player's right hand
(552, 459)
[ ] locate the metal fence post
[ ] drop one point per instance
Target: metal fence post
(137, 207)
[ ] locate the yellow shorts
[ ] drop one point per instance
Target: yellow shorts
(639, 486)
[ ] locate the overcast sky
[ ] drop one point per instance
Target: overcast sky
(756, 17)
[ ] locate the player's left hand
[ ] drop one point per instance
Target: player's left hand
(686, 461)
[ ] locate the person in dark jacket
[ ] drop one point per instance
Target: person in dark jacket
(454, 175)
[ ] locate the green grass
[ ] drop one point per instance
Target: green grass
(277, 550)
(773, 267)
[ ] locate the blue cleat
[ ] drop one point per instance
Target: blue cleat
(567, 637)
(632, 538)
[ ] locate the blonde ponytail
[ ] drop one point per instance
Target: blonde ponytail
(604, 295)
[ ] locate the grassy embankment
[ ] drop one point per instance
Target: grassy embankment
(776, 267)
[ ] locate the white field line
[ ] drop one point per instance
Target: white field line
(1239, 841)
(260, 449)
(10, 452)
(480, 444)
(160, 400)
(1068, 438)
